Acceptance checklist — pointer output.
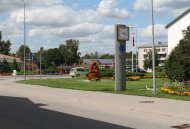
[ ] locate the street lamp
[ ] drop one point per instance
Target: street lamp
(24, 41)
(153, 53)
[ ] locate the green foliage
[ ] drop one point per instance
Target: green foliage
(97, 55)
(66, 54)
(179, 86)
(106, 72)
(159, 69)
(148, 60)
(15, 65)
(1, 67)
(130, 74)
(178, 62)
(6, 68)
(158, 75)
(4, 46)
(51, 70)
(20, 51)
(70, 52)
(107, 85)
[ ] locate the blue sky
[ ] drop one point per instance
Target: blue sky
(50, 22)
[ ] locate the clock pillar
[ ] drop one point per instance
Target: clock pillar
(121, 36)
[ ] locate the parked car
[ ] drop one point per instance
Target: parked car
(78, 71)
(138, 70)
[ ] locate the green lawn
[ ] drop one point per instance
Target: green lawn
(106, 85)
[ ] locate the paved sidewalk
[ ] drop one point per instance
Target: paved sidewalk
(131, 111)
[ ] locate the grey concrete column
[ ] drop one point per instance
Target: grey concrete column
(120, 64)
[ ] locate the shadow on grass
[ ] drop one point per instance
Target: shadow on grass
(21, 113)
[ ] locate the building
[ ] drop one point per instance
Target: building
(161, 48)
(175, 28)
(103, 63)
(9, 58)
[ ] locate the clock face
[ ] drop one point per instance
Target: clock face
(123, 33)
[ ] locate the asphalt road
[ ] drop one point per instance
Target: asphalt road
(36, 107)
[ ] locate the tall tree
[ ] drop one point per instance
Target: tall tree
(63, 52)
(148, 60)
(178, 63)
(20, 51)
(72, 55)
(4, 46)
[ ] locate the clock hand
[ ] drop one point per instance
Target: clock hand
(124, 33)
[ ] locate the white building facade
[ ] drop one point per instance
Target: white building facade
(161, 48)
(175, 29)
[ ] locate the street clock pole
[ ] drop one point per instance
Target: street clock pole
(121, 36)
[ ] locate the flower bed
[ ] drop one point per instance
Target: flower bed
(169, 91)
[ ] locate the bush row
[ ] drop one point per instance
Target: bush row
(105, 72)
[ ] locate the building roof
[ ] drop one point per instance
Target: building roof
(9, 58)
(159, 44)
(178, 18)
(102, 61)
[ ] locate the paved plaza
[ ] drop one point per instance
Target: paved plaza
(37, 107)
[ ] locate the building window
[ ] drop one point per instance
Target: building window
(158, 50)
(163, 49)
(145, 50)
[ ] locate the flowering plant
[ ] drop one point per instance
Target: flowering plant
(178, 88)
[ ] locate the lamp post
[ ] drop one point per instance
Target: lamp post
(24, 41)
(153, 53)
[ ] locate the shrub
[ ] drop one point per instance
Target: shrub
(178, 62)
(158, 75)
(5, 67)
(51, 70)
(129, 74)
(15, 65)
(106, 72)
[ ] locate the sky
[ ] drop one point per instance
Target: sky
(50, 22)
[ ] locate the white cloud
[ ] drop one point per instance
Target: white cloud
(160, 33)
(161, 4)
(9, 5)
(108, 9)
(78, 30)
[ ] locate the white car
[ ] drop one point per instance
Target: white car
(78, 71)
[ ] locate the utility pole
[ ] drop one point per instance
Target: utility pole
(153, 52)
(136, 52)
(24, 39)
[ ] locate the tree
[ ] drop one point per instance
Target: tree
(178, 63)
(107, 56)
(15, 65)
(71, 56)
(6, 68)
(53, 57)
(20, 51)
(148, 60)
(97, 55)
(1, 67)
(4, 46)
(63, 50)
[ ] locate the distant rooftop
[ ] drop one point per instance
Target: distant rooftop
(9, 58)
(178, 18)
(159, 44)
